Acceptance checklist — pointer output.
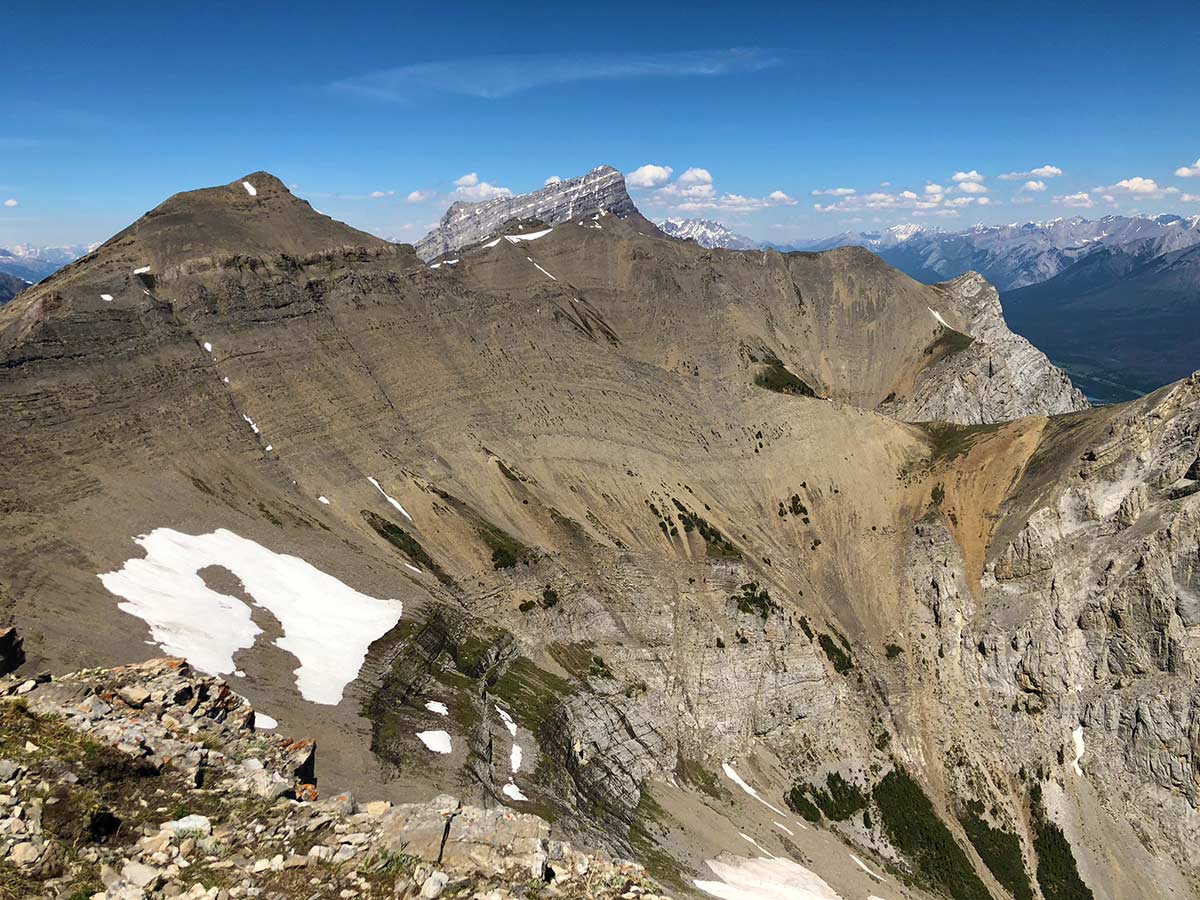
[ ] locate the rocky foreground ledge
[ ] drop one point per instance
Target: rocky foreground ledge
(150, 780)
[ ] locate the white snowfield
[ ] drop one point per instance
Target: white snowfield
(250, 189)
(390, 499)
(188, 618)
(765, 879)
(437, 741)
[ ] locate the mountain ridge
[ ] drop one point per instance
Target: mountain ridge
(647, 586)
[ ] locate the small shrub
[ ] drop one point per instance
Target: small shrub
(755, 601)
(893, 650)
(840, 799)
(798, 800)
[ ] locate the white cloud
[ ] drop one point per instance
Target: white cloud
(1136, 185)
(972, 187)
(934, 189)
(971, 177)
(960, 201)
(648, 176)
(10, 203)
(419, 196)
(1034, 186)
(469, 180)
(1082, 200)
(695, 175)
(379, 195)
(1192, 171)
(1190, 198)
(835, 192)
(502, 75)
(1039, 172)
(983, 201)
(482, 191)
(553, 179)
(737, 203)
(1144, 188)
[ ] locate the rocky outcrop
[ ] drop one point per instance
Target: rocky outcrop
(464, 223)
(997, 377)
(151, 781)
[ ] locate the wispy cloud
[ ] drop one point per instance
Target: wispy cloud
(1046, 171)
(491, 77)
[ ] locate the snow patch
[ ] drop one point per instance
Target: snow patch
(515, 758)
(862, 865)
(937, 315)
(141, 271)
(189, 619)
(785, 829)
(490, 244)
(250, 422)
(512, 792)
(437, 741)
(765, 879)
(107, 298)
(508, 721)
(1077, 740)
(531, 236)
(737, 779)
(543, 271)
(757, 846)
(323, 499)
(207, 347)
(390, 499)
(437, 706)
(263, 722)
(250, 189)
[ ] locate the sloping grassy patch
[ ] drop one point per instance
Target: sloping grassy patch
(755, 601)
(1000, 851)
(839, 657)
(1057, 873)
(507, 551)
(948, 343)
(840, 799)
(715, 544)
(406, 544)
(913, 827)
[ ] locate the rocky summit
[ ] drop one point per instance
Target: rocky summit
(465, 223)
(775, 574)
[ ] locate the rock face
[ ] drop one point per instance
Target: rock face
(12, 650)
(999, 377)
(464, 223)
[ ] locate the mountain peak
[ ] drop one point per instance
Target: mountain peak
(466, 222)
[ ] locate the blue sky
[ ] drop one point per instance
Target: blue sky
(377, 115)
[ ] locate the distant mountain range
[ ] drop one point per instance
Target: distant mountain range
(707, 233)
(32, 264)
(1115, 301)
(10, 286)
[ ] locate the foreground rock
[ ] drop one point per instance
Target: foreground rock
(150, 781)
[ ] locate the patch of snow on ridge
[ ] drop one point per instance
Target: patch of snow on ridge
(531, 236)
(107, 298)
(937, 315)
(323, 499)
(862, 865)
(250, 189)
(437, 741)
(737, 779)
(1077, 739)
(543, 271)
(512, 792)
(437, 706)
(141, 270)
(508, 721)
(188, 618)
(250, 422)
(515, 757)
(263, 722)
(765, 879)
(390, 499)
